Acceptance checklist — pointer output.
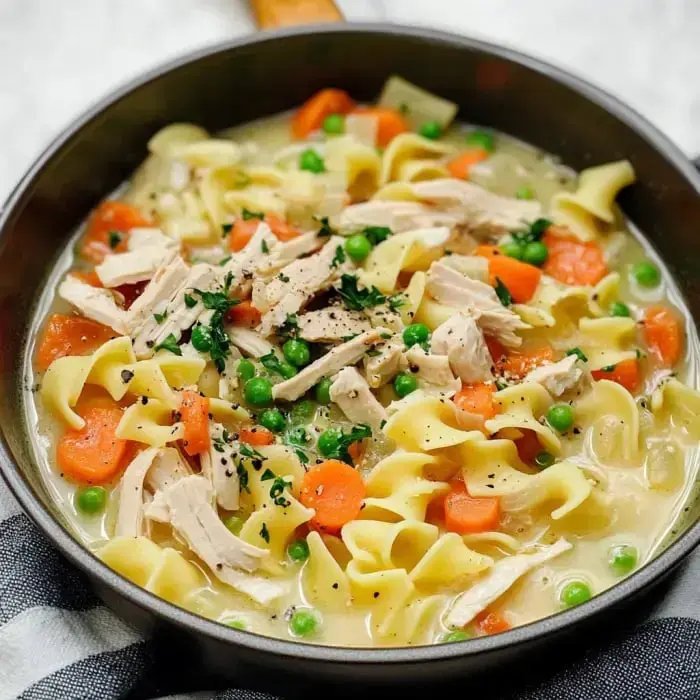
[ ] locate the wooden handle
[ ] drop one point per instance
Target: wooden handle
(286, 13)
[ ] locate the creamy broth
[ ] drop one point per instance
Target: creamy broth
(633, 502)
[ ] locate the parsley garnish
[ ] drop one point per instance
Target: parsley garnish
(326, 230)
(359, 432)
(396, 301)
(579, 353)
(248, 451)
(503, 293)
(220, 303)
(216, 301)
(263, 247)
(385, 336)
(242, 477)
(358, 299)
(277, 492)
(190, 301)
(534, 232)
(283, 278)
(267, 475)
(247, 215)
(500, 385)
(376, 234)
(373, 353)
(608, 368)
(290, 327)
(272, 363)
(160, 317)
(303, 457)
(264, 533)
(339, 257)
(223, 261)
(114, 238)
(170, 344)
(226, 229)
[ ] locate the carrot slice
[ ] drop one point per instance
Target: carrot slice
(108, 229)
(528, 446)
(309, 117)
(93, 455)
(70, 335)
(282, 230)
(492, 622)
(257, 437)
(390, 123)
(461, 165)
(625, 373)
(478, 399)
(464, 514)
(194, 413)
(244, 314)
(573, 262)
(520, 278)
(335, 491)
(243, 230)
(355, 450)
(663, 334)
(518, 363)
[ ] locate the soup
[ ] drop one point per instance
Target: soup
(365, 376)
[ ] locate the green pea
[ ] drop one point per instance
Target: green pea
(245, 370)
(311, 161)
(298, 436)
(646, 274)
(234, 524)
(329, 441)
(303, 411)
(287, 371)
(544, 459)
(298, 550)
(535, 253)
(91, 500)
(238, 625)
(296, 352)
(404, 384)
(358, 247)
(323, 391)
(258, 392)
(415, 334)
(201, 338)
(622, 559)
(561, 417)
(334, 124)
(513, 250)
(430, 130)
(272, 419)
(575, 593)
(481, 139)
(303, 623)
(619, 309)
(524, 193)
(455, 636)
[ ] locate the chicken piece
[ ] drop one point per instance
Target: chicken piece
(328, 365)
(559, 377)
(228, 379)
(353, 396)
(462, 342)
(242, 265)
(167, 468)
(250, 342)
(433, 372)
(94, 303)
(147, 236)
(135, 266)
(452, 288)
(399, 216)
(475, 267)
(285, 253)
(331, 324)
(381, 368)
(130, 512)
(298, 282)
(219, 467)
(475, 206)
(502, 575)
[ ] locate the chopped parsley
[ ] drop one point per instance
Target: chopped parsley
(339, 257)
(264, 533)
(533, 233)
(114, 238)
(248, 451)
(216, 301)
(579, 353)
(503, 293)
(247, 215)
(161, 317)
(190, 301)
(242, 477)
(326, 230)
(358, 299)
(170, 344)
(219, 303)
(373, 353)
(277, 492)
(283, 278)
(396, 301)
(223, 261)
(608, 368)
(264, 248)
(303, 457)
(268, 475)
(500, 386)
(340, 451)
(376, 234)
(226, 229)
(385, 336)
(272, 363)
(290, 327)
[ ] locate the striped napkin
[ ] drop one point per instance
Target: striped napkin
(57, 641)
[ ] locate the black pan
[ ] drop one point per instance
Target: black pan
(260, 75)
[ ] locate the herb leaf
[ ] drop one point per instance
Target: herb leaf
(226, 229)
(247, 215)
(377, 234)
(216, 301)
(358, 432)
(159, 318)
(358, 299)
(326, 231)
(267, 475)
(533, 233)
(170, 344)
(263, 247)
(396, 301)
(272, 363)
(290, 327)
(339, 257)
(579, 353)
(277, 492)
(242, 477)
(248, 451)
(114, 238)
(608, 368)
(264, 533)
(190, 301)
(503, 293)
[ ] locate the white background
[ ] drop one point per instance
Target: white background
(59, 56)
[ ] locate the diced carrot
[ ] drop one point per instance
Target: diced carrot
(194, 412)
(573, 262)
(93, 455)
(477, 398)
(283, 231)
(131, 292)
(244, 314)
(518, 363)
(461, 165)
(355, 450)
(310, 116)
(243, 230)
(528, 446)
(335, 491)
(464, 514)
(520, 278)
(625, 373)
(70, 335)
(110, 217)
(663, 333)
(390, 123)
(258, 436)
(492, 622)
(90, 278)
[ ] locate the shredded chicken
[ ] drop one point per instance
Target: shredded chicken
(130, 513)
(433, 372)
(474, 266)
(284, 253)
(167, 468)
(502, 575)
(353, 396)
(452, 288)
(398, 216)
(95, 303)
(250, 342)
(340, 356)
(243, 264)
(219, 467)
(382, 367)
(560, 377)
(460, 339)
(331, 324)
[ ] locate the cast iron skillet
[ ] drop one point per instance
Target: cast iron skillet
(259, 75)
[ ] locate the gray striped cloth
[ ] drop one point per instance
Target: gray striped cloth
(57, 641)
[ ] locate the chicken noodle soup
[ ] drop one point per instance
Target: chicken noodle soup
(365, 376)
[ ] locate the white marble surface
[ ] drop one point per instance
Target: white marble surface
(59, 56)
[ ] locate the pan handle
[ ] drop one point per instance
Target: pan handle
(270, 14)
